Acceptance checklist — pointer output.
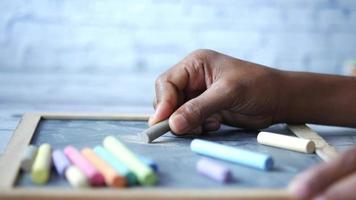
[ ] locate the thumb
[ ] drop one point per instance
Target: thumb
(193, 112)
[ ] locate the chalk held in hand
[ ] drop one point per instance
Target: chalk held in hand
(28, 157)
(286, 142)
(60, 162)
(75, 177)
(111, 177)
(232, 154)
(214, 170)
(41, 167)
(116, 164)
(155, 131)
(94, 176)
(145, 174)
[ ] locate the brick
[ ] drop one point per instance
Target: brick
(164, 38)
(265, 55)
(240, 41)
(158, 62)
(300, 44)
(331, 20)
(344, 43)
(254, 18)
(324, 61)
(298, 20)
(289, 61)
(10, 57)
(347, 3)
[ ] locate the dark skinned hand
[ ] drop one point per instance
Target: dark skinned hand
(208, 88)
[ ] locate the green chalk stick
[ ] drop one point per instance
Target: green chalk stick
(116, 164)
(144, 173)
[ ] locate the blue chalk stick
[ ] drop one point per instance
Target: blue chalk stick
(149, 162)
(116, 164)
(232, 154)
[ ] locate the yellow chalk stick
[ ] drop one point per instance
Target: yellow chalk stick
(112, 178)
(75, 177)
(144, 173)
(286, 142)
(41, 167)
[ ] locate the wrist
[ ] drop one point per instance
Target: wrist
(319, 99)
(284, 97)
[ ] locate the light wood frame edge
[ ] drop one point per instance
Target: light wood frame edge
(144, 194)
(324, 150)
(10, 164)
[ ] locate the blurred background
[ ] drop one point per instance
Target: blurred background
(104, 55)
(148, 36)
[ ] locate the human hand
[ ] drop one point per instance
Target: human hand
(207, 88)
(334, 180)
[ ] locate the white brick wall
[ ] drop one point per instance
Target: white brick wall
(151, 35)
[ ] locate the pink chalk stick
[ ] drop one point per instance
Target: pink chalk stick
(94, 176)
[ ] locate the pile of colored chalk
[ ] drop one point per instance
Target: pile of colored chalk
(112, 164)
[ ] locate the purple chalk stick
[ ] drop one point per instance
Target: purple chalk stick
(60, 161)
(214, 170)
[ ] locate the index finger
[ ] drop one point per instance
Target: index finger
(169, 88)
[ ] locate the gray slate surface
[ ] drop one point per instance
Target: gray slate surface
(173, 155)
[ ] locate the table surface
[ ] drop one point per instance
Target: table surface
(109, 93)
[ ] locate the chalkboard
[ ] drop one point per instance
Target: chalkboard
(175, 160)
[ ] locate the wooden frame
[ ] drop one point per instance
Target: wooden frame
(10, 164)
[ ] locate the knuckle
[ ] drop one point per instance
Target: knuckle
(193, 112)
(200, 55)
(202, 52)
(197, 60)
(160, 79)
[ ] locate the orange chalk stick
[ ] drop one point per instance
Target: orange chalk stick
(112, 178)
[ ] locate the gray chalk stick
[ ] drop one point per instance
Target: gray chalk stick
(155, 131)
(28, 157)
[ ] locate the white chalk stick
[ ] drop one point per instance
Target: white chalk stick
(286, 142)
(28, 157)
(75, 177)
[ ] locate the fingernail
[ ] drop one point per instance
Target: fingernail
(179, 123)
